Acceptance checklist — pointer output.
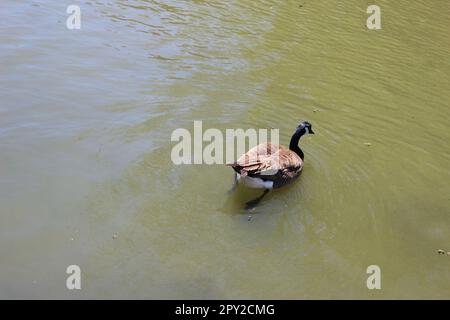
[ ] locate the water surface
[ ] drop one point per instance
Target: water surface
(86, 176)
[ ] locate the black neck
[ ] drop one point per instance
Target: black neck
(293, 145)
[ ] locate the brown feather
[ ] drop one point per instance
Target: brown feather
(270, 162)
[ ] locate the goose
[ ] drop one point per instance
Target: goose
(268, 166)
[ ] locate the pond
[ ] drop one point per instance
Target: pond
(86, 176)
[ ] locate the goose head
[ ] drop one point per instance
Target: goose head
(305, 128)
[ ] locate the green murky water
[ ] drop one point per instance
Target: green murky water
(86, 176)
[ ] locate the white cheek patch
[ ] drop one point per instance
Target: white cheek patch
(307, 130)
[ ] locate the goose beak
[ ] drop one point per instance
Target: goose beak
(310, 131)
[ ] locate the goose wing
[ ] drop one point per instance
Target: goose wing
(270, 162)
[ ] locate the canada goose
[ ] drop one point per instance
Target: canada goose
(269, 166)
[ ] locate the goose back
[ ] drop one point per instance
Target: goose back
(270, 162)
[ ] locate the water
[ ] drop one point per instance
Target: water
(86, 177)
